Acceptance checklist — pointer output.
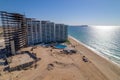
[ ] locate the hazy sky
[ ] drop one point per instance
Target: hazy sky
(74, 12)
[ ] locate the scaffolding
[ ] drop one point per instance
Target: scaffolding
(14, 30)
(20, 31)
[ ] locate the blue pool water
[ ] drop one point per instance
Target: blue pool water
(60, 46)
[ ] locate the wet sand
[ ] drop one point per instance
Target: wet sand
(109, 69)
(55, 65)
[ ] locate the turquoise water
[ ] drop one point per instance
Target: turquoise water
(104, 39)
(60, 46)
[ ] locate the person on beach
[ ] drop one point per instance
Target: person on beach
(84, 59)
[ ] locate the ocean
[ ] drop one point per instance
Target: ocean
(103, 39)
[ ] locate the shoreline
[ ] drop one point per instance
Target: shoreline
(107, 67)
(56, 65)
(92, 49)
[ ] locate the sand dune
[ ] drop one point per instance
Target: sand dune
(55, 65)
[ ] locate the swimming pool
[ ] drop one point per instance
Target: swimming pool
(59, 46)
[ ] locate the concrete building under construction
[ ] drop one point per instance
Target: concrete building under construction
(20, 31)
(14, 28)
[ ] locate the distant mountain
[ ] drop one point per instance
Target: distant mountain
(83, 25)
(80, 25)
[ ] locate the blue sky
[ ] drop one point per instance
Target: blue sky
(72, 12)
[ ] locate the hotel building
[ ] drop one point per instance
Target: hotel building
(45, 32)
(33, 31)
(20, 31)
(47, 28)
(60, 32)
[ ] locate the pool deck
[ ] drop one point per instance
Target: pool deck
(60, 46)
(55, 65)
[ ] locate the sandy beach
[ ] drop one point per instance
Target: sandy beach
(55, 65)
(109, 69)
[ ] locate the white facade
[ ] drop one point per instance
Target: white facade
(33, 31)
(45, 32)
(60, 32)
